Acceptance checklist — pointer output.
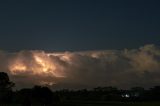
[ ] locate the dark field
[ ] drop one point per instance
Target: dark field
(111, 104)
(95, 104)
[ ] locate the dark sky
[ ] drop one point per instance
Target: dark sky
(77, 25)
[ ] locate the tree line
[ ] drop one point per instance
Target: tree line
(42, 95)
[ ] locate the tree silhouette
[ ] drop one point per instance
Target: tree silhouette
(42, 95)
(155, 93)
(5, 87)
(23, 97)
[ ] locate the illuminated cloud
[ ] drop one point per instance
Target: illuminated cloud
(122, 68)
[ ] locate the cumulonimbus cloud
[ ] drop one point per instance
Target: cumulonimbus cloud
(121, 68)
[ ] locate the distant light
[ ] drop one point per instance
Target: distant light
(125, 95)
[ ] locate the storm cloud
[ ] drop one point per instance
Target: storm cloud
(86, 69)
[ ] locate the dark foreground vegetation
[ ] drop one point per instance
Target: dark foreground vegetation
(100, 96)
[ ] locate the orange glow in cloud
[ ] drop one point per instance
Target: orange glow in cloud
(17, 66)
(45, 64)
(41, 64)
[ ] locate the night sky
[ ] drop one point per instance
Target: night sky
(78, 25)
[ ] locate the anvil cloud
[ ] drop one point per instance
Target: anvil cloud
(121, 68)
